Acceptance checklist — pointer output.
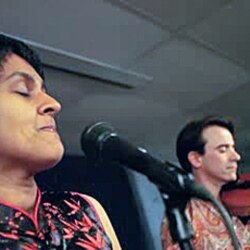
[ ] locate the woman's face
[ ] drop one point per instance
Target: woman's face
(28, 135)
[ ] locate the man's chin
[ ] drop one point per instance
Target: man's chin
(233, 178)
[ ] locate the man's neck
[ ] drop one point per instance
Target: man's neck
(213, 187)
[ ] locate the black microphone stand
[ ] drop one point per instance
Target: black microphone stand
(180, 227)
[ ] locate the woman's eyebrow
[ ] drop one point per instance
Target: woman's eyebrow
(25, 76)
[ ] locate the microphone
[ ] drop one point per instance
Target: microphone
(101, 143)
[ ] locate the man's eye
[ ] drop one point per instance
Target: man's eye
(222, 149)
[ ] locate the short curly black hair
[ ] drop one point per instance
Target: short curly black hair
(190, 137)
(9, 45)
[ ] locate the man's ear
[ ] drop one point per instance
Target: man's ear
(195, 159)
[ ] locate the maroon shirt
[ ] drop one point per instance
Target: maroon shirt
(63, 220)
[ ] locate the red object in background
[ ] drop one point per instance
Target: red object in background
(237, 199)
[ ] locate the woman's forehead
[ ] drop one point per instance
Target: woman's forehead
(15, 66)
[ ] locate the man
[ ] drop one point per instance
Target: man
(206, 148)
(29, 143)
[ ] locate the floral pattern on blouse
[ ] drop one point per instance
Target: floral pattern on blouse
(61, 221)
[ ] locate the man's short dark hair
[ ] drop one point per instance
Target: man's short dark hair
(9, 45)
(190, 137)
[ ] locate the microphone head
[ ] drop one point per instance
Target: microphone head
(93, 137)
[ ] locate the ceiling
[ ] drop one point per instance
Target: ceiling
(190, 57)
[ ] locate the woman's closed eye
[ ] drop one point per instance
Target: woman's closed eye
(22, 90)
(23, 93)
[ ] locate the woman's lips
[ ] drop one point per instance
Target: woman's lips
(48, 128)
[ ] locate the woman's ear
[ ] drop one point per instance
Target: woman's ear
(195, 159)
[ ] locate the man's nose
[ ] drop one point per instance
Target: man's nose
(236, 155)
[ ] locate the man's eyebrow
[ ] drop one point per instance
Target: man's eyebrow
(27, 77)
(227, 145)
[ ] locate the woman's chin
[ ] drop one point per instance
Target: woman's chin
(47, 160)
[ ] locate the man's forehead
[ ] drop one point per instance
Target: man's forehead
(217, 134)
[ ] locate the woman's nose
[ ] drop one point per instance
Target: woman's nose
(49, 105)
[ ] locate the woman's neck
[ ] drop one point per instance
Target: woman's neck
(20, 192)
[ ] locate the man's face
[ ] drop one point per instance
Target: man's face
(28, 136)
(219, 162)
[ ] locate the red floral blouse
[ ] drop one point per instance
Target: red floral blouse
(61, 221)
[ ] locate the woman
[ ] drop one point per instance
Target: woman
(29, 143)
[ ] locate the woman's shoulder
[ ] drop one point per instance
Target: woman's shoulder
(75, 204)
(69, 199)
